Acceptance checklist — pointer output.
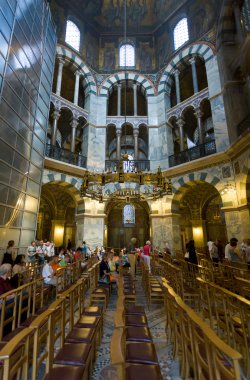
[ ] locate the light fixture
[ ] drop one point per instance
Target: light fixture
(228, 189)
(134, 183)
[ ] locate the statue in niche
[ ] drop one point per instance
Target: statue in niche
(109, 59)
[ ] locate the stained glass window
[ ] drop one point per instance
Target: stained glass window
(181, 33)
(73, 35)
(128, 214)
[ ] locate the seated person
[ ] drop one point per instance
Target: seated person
(5, 284)
(55, 263)
(17, 270)
(65, 261)
(104, 269)
(125, 260)
(48, 273)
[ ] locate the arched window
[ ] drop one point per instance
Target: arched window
(128, 214)
(73, 35)
(127, 55)
(181, 33)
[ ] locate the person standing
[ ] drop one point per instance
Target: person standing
(192, 252)
(31, 253)
(10, 254)
(69, 245)
(147, 253)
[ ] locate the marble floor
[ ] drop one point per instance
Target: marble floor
(156, 320)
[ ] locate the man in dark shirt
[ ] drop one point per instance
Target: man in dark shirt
(104, 268)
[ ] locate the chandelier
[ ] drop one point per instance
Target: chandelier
(134, 184)
(146, 185)
(228, 189)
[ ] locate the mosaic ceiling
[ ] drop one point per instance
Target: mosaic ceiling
(109, 14)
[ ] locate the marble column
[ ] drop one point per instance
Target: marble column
(119, 96)
(136, 146)
(55, 116)
(59, 77)
(76, 92)
(118, 143)
(177, 86)
(198, 115)
(194, 75)
(180, 122)
(73, 124)
(135, 98)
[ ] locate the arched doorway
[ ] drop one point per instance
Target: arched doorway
(201, 217)
(126, 221)
(56, 218)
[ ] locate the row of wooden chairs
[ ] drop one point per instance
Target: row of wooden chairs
(132, 348)
(228, 314)
(152, 287)
(20, 304)
(59, 343)
(202, 354)
(182, 278)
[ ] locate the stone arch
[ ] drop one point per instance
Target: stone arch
(69, 56)
(184, 183)
(70, 184)
(203, 50)
(141, 79)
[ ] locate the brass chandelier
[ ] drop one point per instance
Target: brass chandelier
(146, 185)
(124, 182)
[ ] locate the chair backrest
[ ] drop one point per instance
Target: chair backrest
(16, 355)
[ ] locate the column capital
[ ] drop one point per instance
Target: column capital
(198, 113)
(192, 60)
(180, 122)
(118, 131)
(77, 73)
(135, 84)
(176, 72)
(61, 61)
(136, 132)
(74, 123)
(118, 84)
(56, 114)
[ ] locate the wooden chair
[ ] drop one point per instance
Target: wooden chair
(15, 356)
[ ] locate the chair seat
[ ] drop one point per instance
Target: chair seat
(134, 310)
(100, 291)
(73, 354)
(93, 311)
(88, 321)
(138, 334)
(143, 353)
(65, 372)
(156, 290)
(136, 320)
(140, 371)
(84, 334)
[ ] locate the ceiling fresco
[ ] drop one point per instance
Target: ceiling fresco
(140, 13)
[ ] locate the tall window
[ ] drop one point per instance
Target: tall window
(181, 33)
(128, 214)
(72, 35)
(127, 55)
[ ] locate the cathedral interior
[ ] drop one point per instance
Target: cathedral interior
(124, 120)
(72, 105)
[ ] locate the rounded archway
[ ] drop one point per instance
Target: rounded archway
(201, 217)
(127, 220)
(56, 218)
